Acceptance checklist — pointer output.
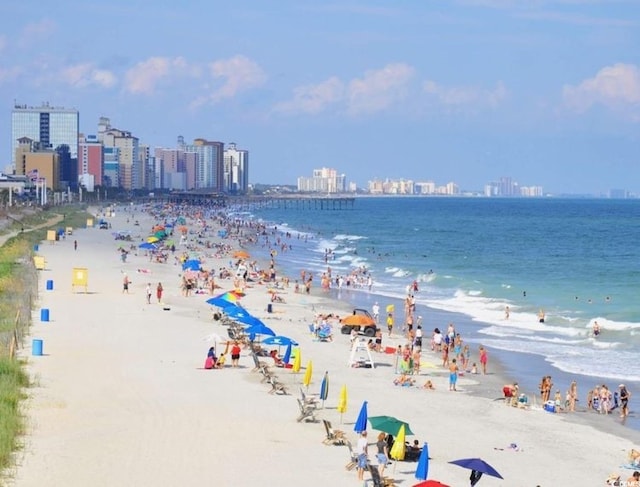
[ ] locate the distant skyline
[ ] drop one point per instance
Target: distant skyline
(543, 91)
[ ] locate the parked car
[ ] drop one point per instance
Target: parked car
(361, 321)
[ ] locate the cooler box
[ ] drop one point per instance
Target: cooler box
(550, 406)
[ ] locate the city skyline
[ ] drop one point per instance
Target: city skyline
(461, 90)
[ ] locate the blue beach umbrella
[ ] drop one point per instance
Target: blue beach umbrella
(478, 467)
(236, 312)
(361, 422)
(147, 246)
(260, 330)
(249, 321)
(221, 303)
(287, 354)
(324, 388)
(422, 470)
(191, 264)
(280, 340)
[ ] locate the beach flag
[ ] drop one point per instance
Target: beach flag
(390, 308)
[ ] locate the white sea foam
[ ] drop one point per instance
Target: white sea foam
(349, 237)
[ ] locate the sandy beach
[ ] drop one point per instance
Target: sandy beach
(121, 397)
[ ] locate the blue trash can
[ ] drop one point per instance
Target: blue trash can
(44, 314)
(35, 248)
(36, 347)
(49, 285)
(269, 308)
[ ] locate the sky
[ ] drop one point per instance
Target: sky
(546, 92)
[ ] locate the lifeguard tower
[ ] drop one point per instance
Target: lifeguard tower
(360, 354)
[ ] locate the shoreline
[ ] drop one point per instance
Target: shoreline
(121, 385)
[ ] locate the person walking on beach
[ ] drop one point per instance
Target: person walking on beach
(75, 245)
(383, 453)
(159, 290)
(390, 322)
(375, 311)
(125, 284)
(483, 360)
(148, 291)
(362, 452)
(624, 400)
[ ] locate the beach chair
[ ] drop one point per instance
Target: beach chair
(377, 480)
(307, 413)
(353, 458)
(260, 366)
(334, 437)
(308, 399)
(277, 387)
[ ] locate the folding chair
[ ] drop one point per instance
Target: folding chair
(307, 413)
(333, 437)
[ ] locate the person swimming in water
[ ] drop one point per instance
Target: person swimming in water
(596, 329)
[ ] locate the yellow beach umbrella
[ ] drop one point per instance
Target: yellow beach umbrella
(296, 361)
(152, 239)
(306, 380)
(397, 450)
(342, 401)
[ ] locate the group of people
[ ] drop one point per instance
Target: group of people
(214, 362)
(600, 399)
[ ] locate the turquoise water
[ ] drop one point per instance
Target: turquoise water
(579, 260)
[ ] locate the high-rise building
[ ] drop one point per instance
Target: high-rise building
(129, 167)
(50, 126)
(209, 165)
(90, 162)
(236, 169)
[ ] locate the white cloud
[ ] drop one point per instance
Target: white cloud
(466, 97)
(36, 31)
(314, 99)
(378, 89)
(144, 76)
(238, 73)
(616, 87)
(82, 75)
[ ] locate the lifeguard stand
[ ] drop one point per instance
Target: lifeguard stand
(80, 277)
(51, 236)
(360, 354)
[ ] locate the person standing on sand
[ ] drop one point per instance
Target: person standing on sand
(483, 360)
(235, 354)
(362, 452)
(159, 290)
(573, 396)
(125, 284)
(148, 291)
(390, 322)
(453, 375)
(75, 245)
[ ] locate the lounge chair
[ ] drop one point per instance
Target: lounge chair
(307, 413)
(277, 387)
(377, 479)
(353, 458)
(334, 437)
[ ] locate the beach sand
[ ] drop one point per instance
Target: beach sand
(121, 397)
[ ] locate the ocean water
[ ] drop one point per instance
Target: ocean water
(577, 259)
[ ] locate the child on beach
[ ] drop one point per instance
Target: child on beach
(390, 322)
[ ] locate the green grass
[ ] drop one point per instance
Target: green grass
(13, 381)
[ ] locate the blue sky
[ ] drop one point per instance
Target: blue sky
(544, 91)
